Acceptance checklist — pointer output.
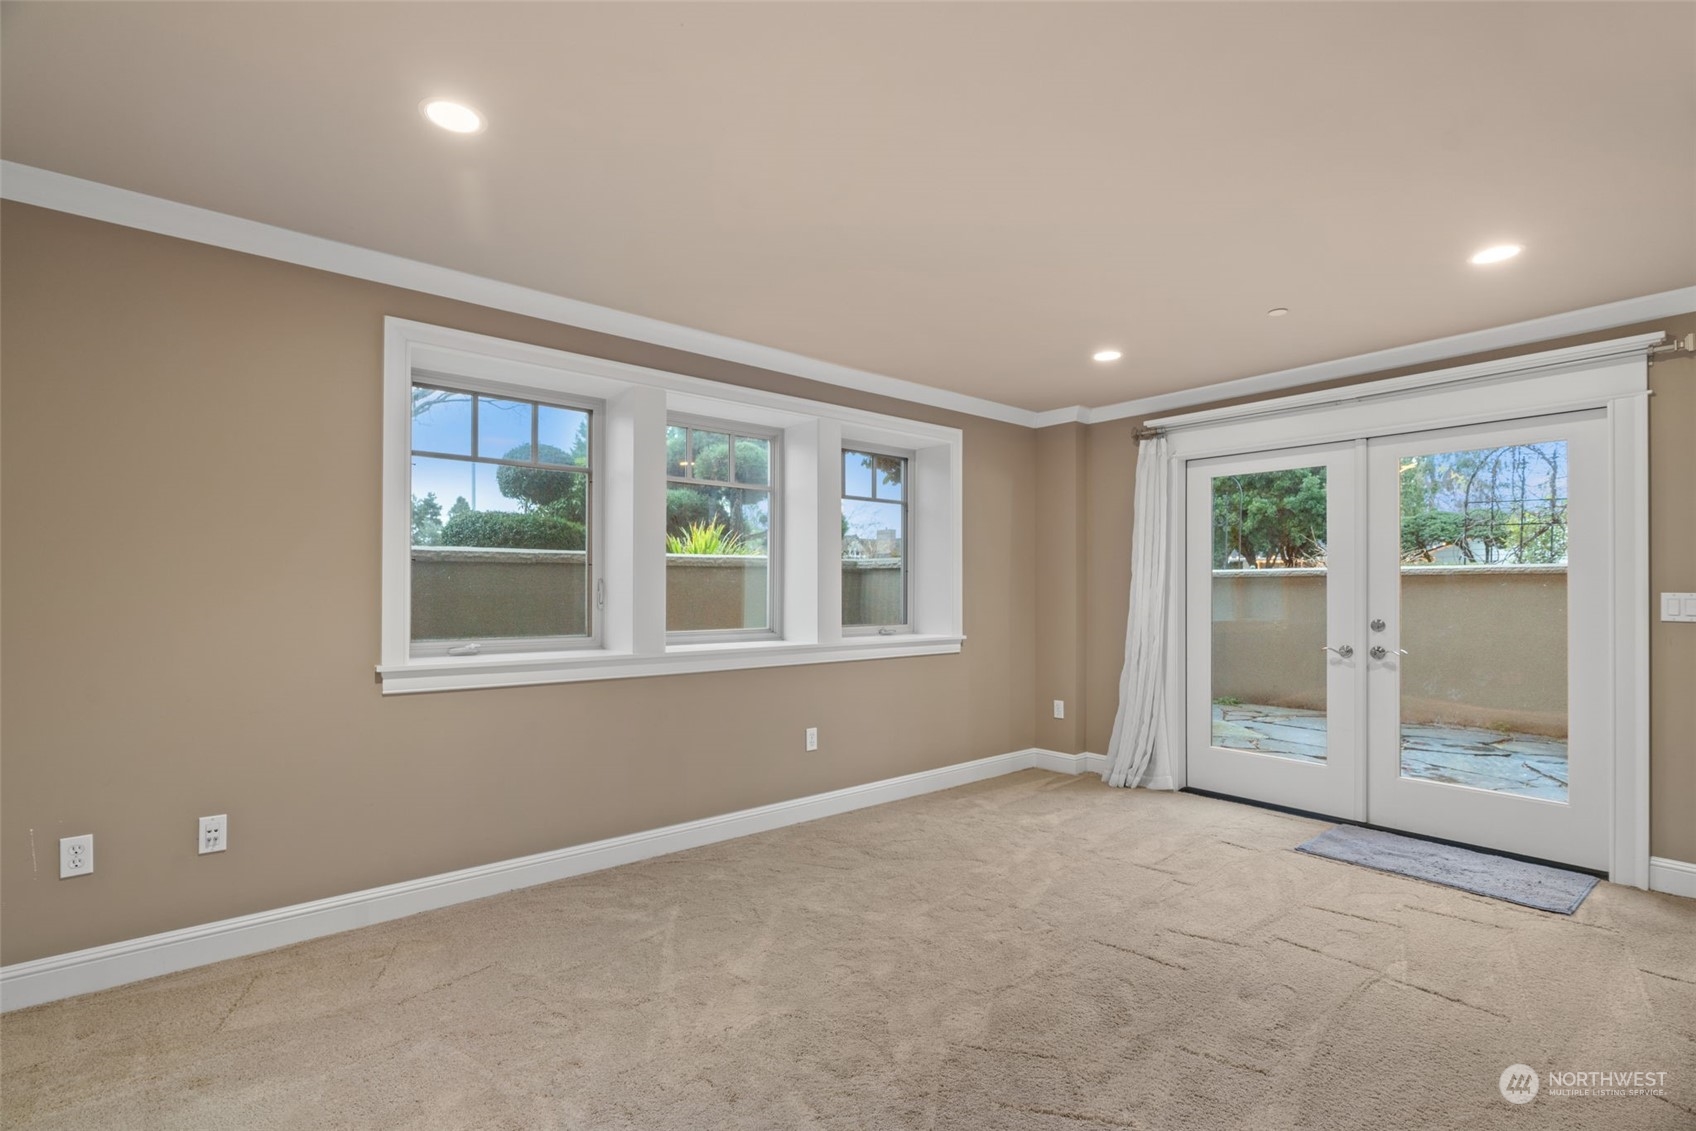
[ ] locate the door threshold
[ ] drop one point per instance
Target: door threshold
(1597, 872)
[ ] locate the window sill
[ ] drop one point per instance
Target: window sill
(460, 673)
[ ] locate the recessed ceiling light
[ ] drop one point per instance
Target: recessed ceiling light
(1277, 312)
(1108, 355)
(1497, 254)
(455, 117)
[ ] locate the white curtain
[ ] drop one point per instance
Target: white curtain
(1138, 753)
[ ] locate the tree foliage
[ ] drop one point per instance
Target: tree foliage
(736, 510)
(1503, 504)
(1490, 505)
(1276, 517)
(561, 493)
(426, 520)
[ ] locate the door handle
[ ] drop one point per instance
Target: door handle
(1345, 651)
(1378, 651)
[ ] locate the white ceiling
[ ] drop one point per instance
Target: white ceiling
(974, 197)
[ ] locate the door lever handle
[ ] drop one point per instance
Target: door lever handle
(1345, 651)
(1379, 651)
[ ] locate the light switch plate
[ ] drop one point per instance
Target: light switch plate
(1679, 607)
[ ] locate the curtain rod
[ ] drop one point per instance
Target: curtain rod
(1684, 345)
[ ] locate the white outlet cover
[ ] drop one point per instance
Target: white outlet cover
(76, 855)
(214, 833)
(812, 738)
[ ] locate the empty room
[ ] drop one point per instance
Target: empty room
(954, 566)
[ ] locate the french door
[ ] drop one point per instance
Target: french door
(1411, 631)
(1275, 694)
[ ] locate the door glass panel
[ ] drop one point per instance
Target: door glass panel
(1269, 620)
(1484, 618)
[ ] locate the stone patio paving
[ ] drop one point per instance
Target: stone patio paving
(1529, 765)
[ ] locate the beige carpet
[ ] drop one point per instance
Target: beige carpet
(1033, 952)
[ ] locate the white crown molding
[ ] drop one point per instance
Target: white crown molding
(1518, 365)
(27, 184)
(1588, 320)
(1675, 877)
(1073, 414)
(97, 968)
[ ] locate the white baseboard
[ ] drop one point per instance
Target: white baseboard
(97, 968)
(1674, 877)
(1069, 763)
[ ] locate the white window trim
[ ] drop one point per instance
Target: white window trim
(631, 637)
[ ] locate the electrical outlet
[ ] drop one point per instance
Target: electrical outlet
(812, 738)
(1059, 708)
(76, 856)
(214, 833)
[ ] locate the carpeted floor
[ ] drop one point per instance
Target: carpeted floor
(1033, 952)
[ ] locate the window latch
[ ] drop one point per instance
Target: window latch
(601, 593)
(465, 650)
(886, 631)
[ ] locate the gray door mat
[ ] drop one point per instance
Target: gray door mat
(1516, 881)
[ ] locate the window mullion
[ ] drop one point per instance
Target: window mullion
(633, 618)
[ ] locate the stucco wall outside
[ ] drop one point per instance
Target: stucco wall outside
(1486, 644)
(462, 593)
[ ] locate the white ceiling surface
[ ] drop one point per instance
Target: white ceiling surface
(973, 197)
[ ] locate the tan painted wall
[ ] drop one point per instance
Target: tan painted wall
(1059, 530)
(1110, 462)
(191, 500)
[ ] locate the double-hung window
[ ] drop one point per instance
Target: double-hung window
(720, 534)
(501, 514)
(550, 517)
(875, 541)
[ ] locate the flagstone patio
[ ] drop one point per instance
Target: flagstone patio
(1529, 765)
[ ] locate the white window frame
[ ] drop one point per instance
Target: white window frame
(519, 644)
(628, 509)
(909, 541)
(774, 530)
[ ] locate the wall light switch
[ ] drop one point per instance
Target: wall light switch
(1678, 607)
(1059, 708)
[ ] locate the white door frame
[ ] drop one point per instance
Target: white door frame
(1612, 376)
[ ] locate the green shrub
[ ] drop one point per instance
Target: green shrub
(709, 539)
(504, 530)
